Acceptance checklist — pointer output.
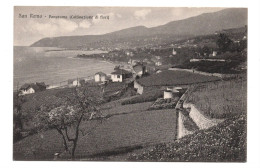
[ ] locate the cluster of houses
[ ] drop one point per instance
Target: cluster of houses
(128, 73)
(138, 70)
(120, 74)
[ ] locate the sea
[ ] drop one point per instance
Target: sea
(54, 66)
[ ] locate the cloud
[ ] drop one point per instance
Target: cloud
(84, 24)
(66, 25)
(51, 28)
(141, 14)
(54, 27)
(46, 29)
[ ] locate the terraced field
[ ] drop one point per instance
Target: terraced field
(169, 78)
(131, 108)
(221, 99)
(120, 133)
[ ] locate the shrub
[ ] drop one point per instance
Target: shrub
(145, 97)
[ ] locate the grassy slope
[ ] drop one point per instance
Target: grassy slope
(52, 97)
(169, 77)
(148, 96)
(223, 143)
(118, 131)
(221, 99)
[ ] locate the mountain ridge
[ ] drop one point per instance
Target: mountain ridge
(202, 24)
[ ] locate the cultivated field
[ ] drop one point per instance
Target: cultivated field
(120, 133)
(132, 108)
(170, 77)
(221, 99)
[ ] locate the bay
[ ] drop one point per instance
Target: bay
(54, 65)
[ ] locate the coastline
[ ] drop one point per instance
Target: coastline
(88, 78)
(109, 61)
(56, 68)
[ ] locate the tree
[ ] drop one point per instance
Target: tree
(81, 104)
(206, 50)
(224, 42)
(242, 45)
(18, 116)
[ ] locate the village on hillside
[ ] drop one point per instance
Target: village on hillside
(173, 100)
(209, 61)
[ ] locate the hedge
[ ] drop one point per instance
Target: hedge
(145, 97)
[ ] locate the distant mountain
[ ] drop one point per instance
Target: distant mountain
(206, 23)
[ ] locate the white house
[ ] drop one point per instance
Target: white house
(76, 83)
(139, 69)
(100, 77)
(32, 88)
(170, 92)
(157, 60)
(29, 90)
(174, 52)
(138, 87)
(73, 82)
(158, 63)
(133, 61)
(119, 75)
(214, 53)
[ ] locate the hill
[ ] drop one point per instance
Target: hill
(132, 37)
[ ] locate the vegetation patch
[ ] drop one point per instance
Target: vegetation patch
(227, 67)
(164, 103)
(188, 123)
(145, 97)
(225, 142)
(220, 99)
(120, 131)
(169, 78)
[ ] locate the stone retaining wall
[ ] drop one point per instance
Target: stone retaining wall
(197, 72)
(201, 121)
(182, 131)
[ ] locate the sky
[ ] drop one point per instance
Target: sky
(28, 30)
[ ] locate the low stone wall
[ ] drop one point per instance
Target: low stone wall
(197, 72)
(201, 121)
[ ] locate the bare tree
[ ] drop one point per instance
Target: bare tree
(82, 104)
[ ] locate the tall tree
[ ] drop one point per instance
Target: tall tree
(224, 42)
(82, 104)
